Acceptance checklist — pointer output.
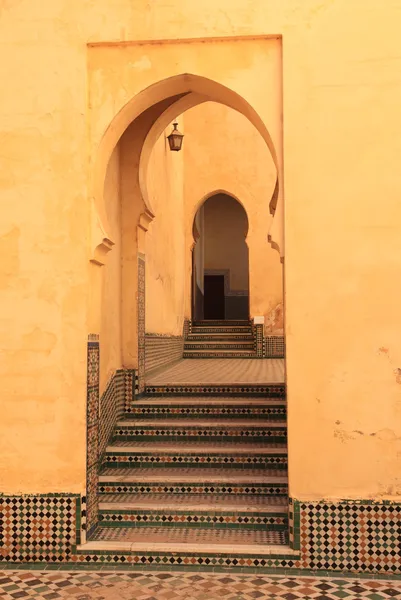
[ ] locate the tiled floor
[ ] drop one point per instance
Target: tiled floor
(192, 371)
(127, 585)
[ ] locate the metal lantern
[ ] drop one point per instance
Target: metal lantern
(175, 139)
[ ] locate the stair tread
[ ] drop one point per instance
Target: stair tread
(209, 401)
(199, 423)
(196, 446)
(198, 502)
(187, 539)
(192, 475)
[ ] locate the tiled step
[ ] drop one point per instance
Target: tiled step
(219, 337)
(201, 353)
(243, 431)
(267, 390)
(218, 345)
(199, 541)
(220, 511)
(221, 329)
(196, 454)
(221, 323)
(208, 408)
(177, 480)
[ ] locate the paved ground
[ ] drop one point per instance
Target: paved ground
(220, 370)
(127, 585)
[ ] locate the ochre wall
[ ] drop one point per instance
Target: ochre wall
(226, 226)
(165, 241)
(110, 327)
(224, 151)
(342, 132)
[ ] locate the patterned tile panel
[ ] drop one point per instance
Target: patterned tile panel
(141, 323)
(161, 350)
(266, 391)
(111, 408)
(274, 346)
(139, 518)
(43, 528)
(351, 536)
(176, 411)
(92, 435)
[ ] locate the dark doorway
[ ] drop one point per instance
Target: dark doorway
(214, 297)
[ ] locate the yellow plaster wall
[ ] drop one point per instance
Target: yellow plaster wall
(165, 241)
(224, 151)
(110, 328)
(225, 229)
(342, 132)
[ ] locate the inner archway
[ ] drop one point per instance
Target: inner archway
(220, 264)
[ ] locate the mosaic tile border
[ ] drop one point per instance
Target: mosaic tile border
(92, 431)
(127, 459)
(184, 518)
(267, 391)
(262, 489)
(239, 433)
(224, 411)
(350, 536)
(161, 350)
(141, 305)
(274, 346)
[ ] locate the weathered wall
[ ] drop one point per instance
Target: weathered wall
(224, 151)
(342, 132)
(165, 249)
(226, 226)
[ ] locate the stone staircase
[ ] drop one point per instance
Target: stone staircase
(203, 473)
(220, 339)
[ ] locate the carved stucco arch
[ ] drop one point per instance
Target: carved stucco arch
(193, 90)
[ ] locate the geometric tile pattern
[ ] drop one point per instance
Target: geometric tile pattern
(164, 585)
(133, 487)
(355, 536)
(114, 459)
(41, 528)
(137, 518)
(162, 349)
(92, 430)
(274, 346)
(139, 433)
(111, 408)
(141, 322)
(258, 336)
(171, 410)
(267, 390)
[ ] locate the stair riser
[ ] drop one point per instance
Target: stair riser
(161, 460)
(204, 412)
(218, 337)
(256, 391)
(203, 347)
(204, 488)
(255, 521)
(206, 416)
(221, 323)
(219, 329)
(227, 354)
(240, 437)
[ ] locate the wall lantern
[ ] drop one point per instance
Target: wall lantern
(175, 139)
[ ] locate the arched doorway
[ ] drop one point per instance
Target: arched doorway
(220, 262)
